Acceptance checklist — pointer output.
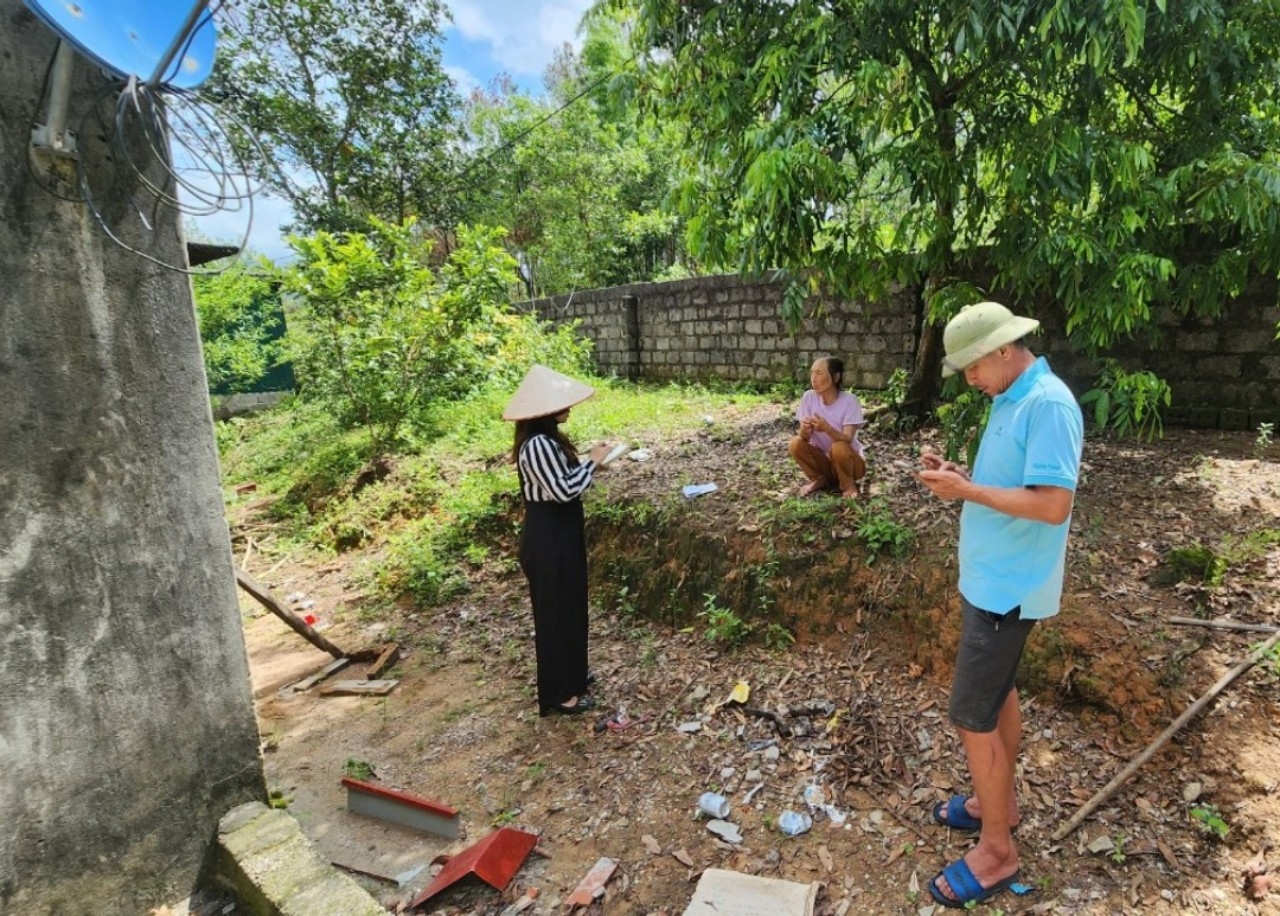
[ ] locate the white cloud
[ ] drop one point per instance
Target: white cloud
(464, 80)
(523, 34)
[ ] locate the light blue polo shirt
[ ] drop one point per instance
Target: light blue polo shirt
(1033, 437)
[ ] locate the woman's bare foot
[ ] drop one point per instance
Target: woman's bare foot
(812, 487)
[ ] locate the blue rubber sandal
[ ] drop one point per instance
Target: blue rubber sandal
(952, 813)
(965, 886)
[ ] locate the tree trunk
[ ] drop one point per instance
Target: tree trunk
(922, 391)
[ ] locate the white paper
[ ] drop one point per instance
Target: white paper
(614, 454)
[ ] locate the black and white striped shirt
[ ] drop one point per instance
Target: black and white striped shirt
(546, 474)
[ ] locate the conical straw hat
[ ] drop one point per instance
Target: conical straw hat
(543, 392)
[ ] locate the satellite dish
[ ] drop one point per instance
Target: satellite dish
(169, 43)
(149, 150)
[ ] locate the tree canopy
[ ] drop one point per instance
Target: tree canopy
(1117, 156)
(578, 177)
(350, 104)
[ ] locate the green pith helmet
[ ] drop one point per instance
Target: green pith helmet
(978, 330)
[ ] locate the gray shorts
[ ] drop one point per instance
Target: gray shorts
(986, 665)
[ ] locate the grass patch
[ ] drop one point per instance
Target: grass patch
(446, 502)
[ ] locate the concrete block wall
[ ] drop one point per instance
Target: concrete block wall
(727, 328)
(1224, 371)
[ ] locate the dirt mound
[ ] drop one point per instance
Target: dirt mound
(754, 548)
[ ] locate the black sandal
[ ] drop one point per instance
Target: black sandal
(583, 704)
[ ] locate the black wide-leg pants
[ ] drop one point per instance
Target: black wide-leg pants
(553, 555)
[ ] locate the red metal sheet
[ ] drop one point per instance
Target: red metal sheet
(494, 860)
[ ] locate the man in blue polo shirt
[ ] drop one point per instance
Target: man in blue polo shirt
(1013, 542)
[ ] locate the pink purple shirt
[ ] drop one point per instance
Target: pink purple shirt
(844, 411)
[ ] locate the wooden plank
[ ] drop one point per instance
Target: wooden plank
(264, 597)
(360, 688)
(390, 655)
(323, 674)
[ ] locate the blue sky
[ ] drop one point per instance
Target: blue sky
(516, 37)
(485, 39)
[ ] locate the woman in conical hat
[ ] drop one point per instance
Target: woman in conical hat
(553, 548)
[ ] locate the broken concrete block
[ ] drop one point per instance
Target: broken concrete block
(275, 870)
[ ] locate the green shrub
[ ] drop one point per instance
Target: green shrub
(1130, 403)
(723, 625)
(379, 336)
(1196, 563)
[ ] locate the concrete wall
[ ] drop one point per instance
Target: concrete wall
(1224, 371)
(126, 724)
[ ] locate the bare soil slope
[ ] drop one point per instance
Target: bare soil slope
(853, 712)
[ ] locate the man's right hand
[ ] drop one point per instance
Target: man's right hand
(932, 461)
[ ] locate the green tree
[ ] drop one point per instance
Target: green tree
(240, 324)
(349, 102)
(577, 177)
(1118, 156)
(379, 335)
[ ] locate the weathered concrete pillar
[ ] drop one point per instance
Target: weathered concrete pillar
(126, 716)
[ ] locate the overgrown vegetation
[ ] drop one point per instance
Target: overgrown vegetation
(1205, 565)
(881, 533)
(433, 509)
(1196, 563)
(381, 337)
(240, 325)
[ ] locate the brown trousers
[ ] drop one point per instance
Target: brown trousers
(844, 467)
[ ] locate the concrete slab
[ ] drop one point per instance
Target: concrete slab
(730, 893)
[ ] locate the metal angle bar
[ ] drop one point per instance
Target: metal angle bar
(401, 808)
(54, 135)
(178, 41)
